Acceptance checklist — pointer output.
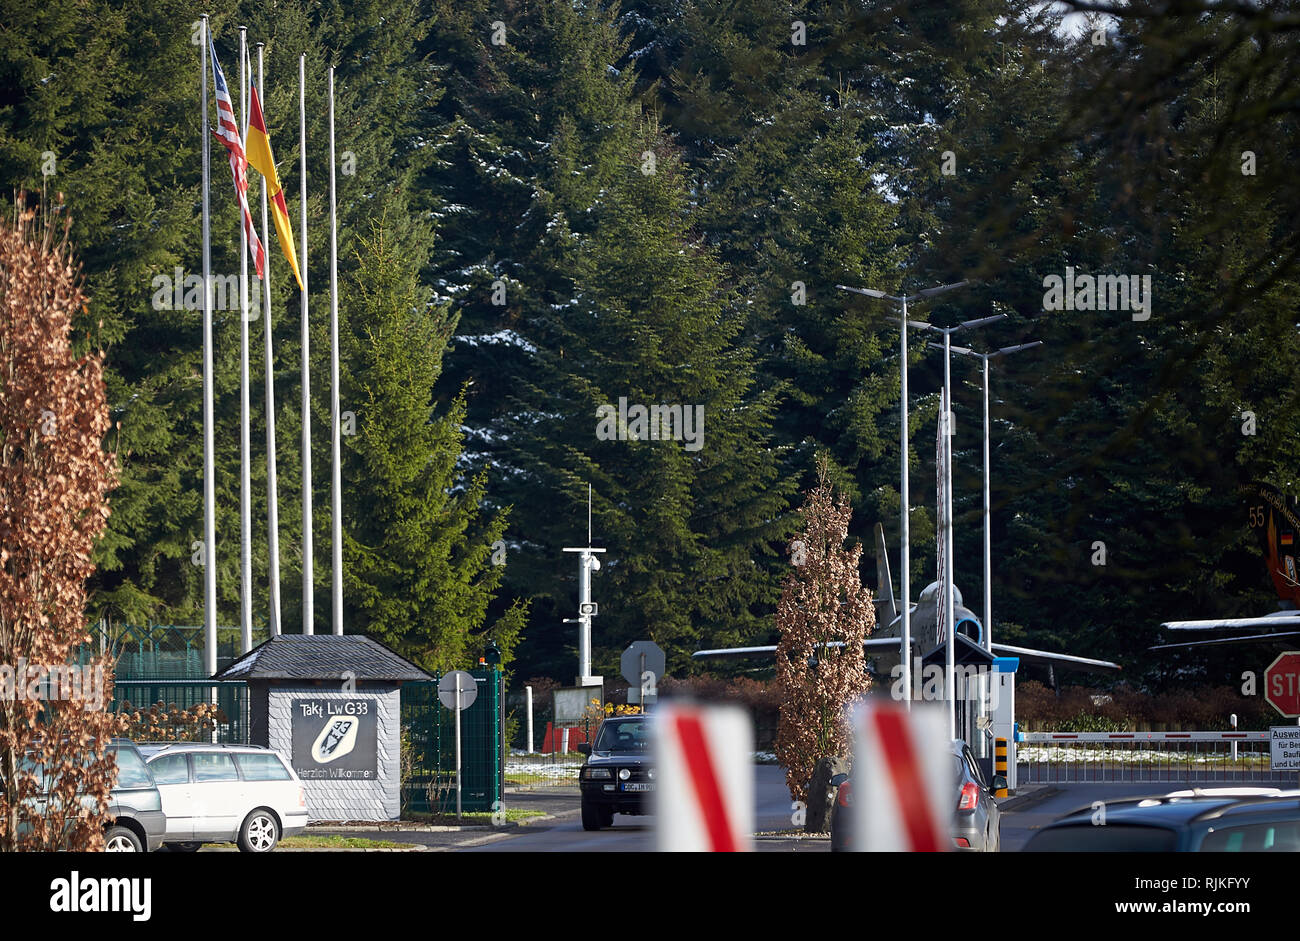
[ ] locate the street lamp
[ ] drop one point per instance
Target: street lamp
(905, 647)
(949, 601)
(988, 539)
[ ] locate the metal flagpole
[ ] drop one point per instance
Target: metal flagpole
(245, 508)
(209, 492)
(459, 775)
(272, 487)
(307, 575)
(905, 524)
(337, 486)
(949, 624)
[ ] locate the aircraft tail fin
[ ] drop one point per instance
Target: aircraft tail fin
(885, 603)
(1274, 516)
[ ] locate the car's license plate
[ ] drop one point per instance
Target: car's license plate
(635, 786)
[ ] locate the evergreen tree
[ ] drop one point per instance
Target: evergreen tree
(690, 523)
(418, 545)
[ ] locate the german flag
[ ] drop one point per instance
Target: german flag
(257, 147)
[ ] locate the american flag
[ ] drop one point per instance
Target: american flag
(227, 132)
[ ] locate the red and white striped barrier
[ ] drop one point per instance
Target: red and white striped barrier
(903, 788)
(704, 798)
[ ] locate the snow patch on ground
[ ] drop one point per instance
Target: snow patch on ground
(1034, 754)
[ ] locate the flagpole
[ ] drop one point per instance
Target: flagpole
(245, 508)
(949, 623)
(307, 586)
(209, 493)
(272, 488)
(337, 508)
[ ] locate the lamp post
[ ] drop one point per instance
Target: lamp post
(905, 646)
(951, 666)
(988, 538)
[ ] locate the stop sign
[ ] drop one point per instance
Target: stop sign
(1282, 684)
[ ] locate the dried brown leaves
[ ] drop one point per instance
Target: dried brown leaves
(822, 601)
(55, 477)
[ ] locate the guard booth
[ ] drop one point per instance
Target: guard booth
(430, 782)
(331, 704)
(973, 664)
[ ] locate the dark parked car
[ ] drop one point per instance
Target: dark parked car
(138, 822)
(976, 823)
(617, 777)
(1201, 822)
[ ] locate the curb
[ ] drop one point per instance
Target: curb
(559, 815)
(414, 828)
(327, 828)
(1020, 801)
(413, 848)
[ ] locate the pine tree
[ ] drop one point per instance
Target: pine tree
(418, 543)
(690, 523)
(110, 94)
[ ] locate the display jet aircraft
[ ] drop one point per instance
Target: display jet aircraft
(1273, 516)
(884, 644)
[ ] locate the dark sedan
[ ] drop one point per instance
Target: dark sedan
(618, 776)
(1189, 822)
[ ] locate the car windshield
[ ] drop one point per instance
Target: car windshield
(624, 736)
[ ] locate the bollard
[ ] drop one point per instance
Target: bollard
(1000, 763)
(564, 740)
(1232, 721)
(528, 698)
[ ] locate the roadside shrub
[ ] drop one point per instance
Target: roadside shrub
(1124, 709)
(1085, 722)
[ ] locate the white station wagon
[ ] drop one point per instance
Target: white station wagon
(244, 794)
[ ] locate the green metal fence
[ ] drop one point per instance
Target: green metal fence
(165, 651)
(429, 748)
(231, 697)
(162, 663)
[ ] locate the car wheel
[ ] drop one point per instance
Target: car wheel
(607, 817)
(187, 847)
(260, 833)
(121, 840)
(594, 817)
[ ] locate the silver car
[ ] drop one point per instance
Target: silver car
(243, 794)
(976, 821)
(136, 822)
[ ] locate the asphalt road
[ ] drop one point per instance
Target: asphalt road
(563, 831)
(772, 811)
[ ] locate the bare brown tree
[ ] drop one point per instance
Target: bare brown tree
(822, 602)
(55, 477)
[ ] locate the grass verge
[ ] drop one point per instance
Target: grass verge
(338, 843)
